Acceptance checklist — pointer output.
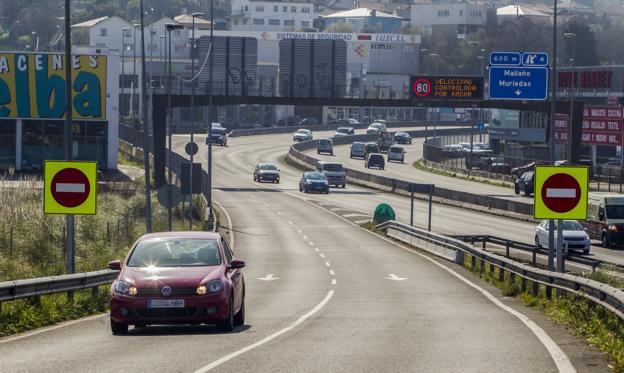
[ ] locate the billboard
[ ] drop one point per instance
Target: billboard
(446, 87)
(32, 86)
(602, 125)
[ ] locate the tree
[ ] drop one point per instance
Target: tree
(586, 45)
(611, 44)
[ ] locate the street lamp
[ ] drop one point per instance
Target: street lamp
(210, 50)
(193, 49)
(162, 52)
(423, 51)
(124, 34)
(435, 117)
(169, 27)
(134, 71)
(570, 36)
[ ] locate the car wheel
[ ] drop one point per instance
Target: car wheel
(118, 328)
(585, 252)
(318, 152)
(344, 186)
(516, 189)
(537, 243)
(227, 325)
(239, 318)
(527, 192)
(605, 241)
(277, 181)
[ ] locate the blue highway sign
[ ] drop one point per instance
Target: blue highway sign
(518, 83)
(505, 58)
(534, 59)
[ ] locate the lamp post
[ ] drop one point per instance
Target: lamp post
(162, 52)
(148, 187)
(193, 49)
(570, 36)
(134, 70)
(553, 115)
(209, 196)
(169, 27)
(124, 33)
(435, 118)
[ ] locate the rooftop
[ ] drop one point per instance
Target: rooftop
(361, 13)
(90, 23)
(187, 21)
(519, 10)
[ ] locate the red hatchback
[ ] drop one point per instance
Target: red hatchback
(178, 278)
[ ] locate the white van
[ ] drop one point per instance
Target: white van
(605, 218)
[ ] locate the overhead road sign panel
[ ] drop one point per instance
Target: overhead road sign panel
(70, 188)
(446, 87)
(518, 83)
(561, 192)
(505, 58)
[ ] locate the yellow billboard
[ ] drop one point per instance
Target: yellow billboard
(32, 86)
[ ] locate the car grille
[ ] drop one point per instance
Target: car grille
(575, 239)
(167, 312)
(151, 292)
(576, 246)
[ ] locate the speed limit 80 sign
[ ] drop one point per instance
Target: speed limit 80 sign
(446, 87)
(421, 87)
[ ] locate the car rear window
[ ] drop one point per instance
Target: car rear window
(175, 252)
(267, 167)
(396, 150)
(332, 167)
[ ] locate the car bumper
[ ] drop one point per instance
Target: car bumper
(268, 177)
(576, 245)
(336, 180)
(317, 188)
(135, 310)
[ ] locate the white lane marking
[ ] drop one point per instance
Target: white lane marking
(269, 338)
(327, 264)
(49, 328)
(279, 213)
(358, 222)
(268, 277)
(229, 220)
(311, 243)
(394, 277)
(331, 272)
(70, 188)
(352, 215)
(317, 250)
(333, 281)
(322, 255)
(560, 193)
(305, 237)
(561, 360)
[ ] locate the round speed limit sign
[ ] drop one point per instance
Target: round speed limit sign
(421, 87)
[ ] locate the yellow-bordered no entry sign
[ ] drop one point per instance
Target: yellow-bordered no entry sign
(561, 192)
(70, 188)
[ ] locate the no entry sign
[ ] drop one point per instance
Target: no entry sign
(561, 192)
(70, 187)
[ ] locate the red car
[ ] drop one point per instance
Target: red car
(178, 278)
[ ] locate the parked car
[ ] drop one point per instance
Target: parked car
(497, 164)
(477, 158)
(266, 172)
(334, 172)
(451, 150)
(289, 121)
(325, 146)
(302, 135)
(396, 153)
(307, 122)
(313, 181)
(375, 160)
(605, 218)
(358, 150)
(524, 183)
(199, 282)
(344, 131)
(347, 121)
(218, 136)
(402, 138)
(574, 236)
(518, 171)
(371, 147)
(376, 128)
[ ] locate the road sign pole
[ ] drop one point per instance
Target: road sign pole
(430, 206)
(551, 245)
(412, 205)
(69, 219)
(553, 117)
(560, 265)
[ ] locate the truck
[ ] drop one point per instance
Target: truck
(384, 142)
(605, 218)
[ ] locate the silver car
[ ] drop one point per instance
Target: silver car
(376, 128)
(302, 135)
(574, 236)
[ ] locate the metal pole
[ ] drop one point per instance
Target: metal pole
(169, 137)
(209, 191)
(412, 205)
(71, 264)
(134, 121)
(560, 264)
(553, 116)
(190, 211)
(123, 71)
(148, 187)
(569, 137)
(430, 206)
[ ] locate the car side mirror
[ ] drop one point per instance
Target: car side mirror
(236, 264)
(115, 265)
(601, 216)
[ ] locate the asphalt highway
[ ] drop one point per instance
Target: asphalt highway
(322, 295)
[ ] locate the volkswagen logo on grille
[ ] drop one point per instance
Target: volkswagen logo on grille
(165, 291)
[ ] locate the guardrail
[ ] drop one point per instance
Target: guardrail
(599, 293)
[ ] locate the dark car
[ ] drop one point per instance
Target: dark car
(524, 184)
(518, 171)
(371, 147)
(266, 172)
(308, 122)
(313, 181)
(375, 160)
(289, 121)
(402, 138)
(178, 278)
(219, 136)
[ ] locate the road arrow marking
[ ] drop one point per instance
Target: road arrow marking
(268, 277)
(394, 277)
(518, 92)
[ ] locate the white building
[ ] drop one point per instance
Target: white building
(252, 15)
(467, 17)
(104, 32)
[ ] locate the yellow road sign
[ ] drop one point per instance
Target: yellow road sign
(561, 192)
(70, 187)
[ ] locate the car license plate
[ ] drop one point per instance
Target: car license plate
(166, 303)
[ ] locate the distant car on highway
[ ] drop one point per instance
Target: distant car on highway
(344, 131)
(215, 125)
(372, 147)
(376, 128)
(199, 281)
(325, 146)
(289, 121)
(375, 160)
(302, 135)
(396, 153)
(358, 150)
(219, 136)
(402, 138)
(524, 184)
(313, 181)
(574, 236)
(266, 172)
(347, 121)
(384, 141)
(334, 172)
(307, 122)
(517, 171)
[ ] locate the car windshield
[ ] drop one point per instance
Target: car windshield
(315, 176)
(333, 167)
(401, 134)
(302, 132)
(267, 167)
(615, 211)
(571, 226)
(175, 252)
(218, 131)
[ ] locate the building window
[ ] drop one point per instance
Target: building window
(475, 13)
(285, 9)
(259, 8)
(103, 32)
(274, 22)
(444, 13)
(461, 12)
(289, 22)
(305, 23)
(275, 8)
(246, 8)
(258, 21)
(293, 9)
(305, 10)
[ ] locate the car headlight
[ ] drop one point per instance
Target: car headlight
(308, 182)
(124, 288)
(212, 287)
(612, 228)
(326, 182)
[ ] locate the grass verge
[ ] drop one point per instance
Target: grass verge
(421, 166)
